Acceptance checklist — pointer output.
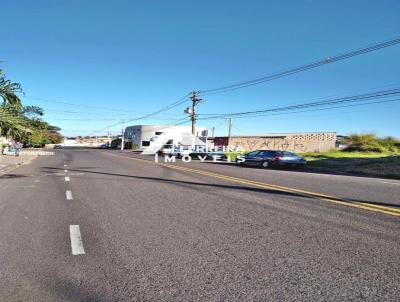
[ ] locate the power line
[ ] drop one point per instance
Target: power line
(101, 116)
(330, 108)
(161, 127)
(316, 64)
(166, 108)
(186, 119)
(329, 102)
(336, 95)
(320, 109)
(80, 105)
(103, 119)
(179, 121)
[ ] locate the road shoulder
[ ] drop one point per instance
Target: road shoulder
(9, 163)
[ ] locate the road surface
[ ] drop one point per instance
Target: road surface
(100, 225)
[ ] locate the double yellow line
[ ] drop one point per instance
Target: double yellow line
(337, 200)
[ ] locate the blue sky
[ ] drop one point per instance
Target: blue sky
(138, 56)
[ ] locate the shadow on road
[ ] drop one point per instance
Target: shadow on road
(9, 176)
(67, 290)
(232, 187)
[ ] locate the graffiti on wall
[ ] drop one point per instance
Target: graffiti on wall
(285, 144)
(282, 144)
(279, 144)
(302, 142)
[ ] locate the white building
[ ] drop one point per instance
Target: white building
(155, 136)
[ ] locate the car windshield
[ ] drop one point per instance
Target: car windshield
(252, 154)
(286, 153)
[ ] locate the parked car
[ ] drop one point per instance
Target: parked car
(104, 146)
(268, 158)
(220, 155)
(58, 147)
(181, 152)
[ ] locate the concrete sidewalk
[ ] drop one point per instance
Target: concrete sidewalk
(10, 162)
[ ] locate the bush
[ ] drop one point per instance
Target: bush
(39, 138)
(371, 143)
(390, 143)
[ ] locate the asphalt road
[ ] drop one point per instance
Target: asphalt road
(92, 225)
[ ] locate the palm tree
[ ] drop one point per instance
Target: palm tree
(8, 92)
(12, 125)
(32, 111)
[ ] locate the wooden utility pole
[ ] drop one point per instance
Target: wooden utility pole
(193, 113)
(195, 102)
(230, 128)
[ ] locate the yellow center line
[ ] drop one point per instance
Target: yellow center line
(337, 200)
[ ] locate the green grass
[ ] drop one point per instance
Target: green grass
(373, 164)
(344, 154)
(234, 155)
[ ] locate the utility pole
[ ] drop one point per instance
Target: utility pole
(195, 102)
(212, 131)
(230, 128)
(193, 113)
(123, 136)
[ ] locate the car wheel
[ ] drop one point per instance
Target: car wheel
(265, 164)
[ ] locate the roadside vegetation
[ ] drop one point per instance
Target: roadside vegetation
(364, 155)
(23, 123)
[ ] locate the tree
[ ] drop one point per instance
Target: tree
(23, 123)
(12, 124)
(39, 138)
(33, 111)
(8, 92)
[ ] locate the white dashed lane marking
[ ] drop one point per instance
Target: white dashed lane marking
(390, 183)
(76, 240)
(67, 178)
(68, 194)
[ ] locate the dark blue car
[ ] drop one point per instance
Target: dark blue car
(268, 158)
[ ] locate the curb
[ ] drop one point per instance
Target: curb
(8, 168)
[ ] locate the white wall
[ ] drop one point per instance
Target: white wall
(4, 140)
(139, 133)
(70, 142)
